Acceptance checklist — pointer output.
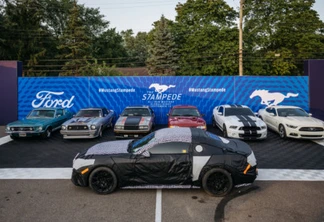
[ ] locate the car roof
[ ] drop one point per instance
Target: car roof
(235, 106)
(48, 108)
(286, 107)
(93, 108)
(183, 106)
(137, 107)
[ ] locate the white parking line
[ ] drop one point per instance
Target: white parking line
(158, 206)
(320, 142)
(65, 173)
(5, 139)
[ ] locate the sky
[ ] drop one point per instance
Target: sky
(139, 15)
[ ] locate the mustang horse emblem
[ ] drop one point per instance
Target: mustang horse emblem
(271, 99)
(160, 88)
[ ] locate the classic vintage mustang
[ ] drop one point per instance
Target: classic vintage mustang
(88, 123)
(185, 116)
(167, 157)
(134, 122)
(39, 122)
(293, 122)
(238, 121)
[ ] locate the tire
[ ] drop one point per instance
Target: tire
(214, 122)
(100, 132)
(103, 180)
(224, 131)
(13, 137)
(217, 182)
(47, 133)
(282, 132)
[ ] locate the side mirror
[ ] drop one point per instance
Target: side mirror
(146, 154)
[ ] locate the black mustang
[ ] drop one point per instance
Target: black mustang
(171, 156)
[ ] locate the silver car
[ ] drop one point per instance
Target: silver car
(88, 123)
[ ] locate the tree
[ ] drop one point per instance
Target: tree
(279, 35)
(207, 38)
(75, 45)
(163, 57)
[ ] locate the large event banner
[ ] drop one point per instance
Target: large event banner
(160, 92)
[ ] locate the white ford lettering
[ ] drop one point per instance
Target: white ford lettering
(44, 98)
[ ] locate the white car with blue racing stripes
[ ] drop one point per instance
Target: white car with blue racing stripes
(239, 121)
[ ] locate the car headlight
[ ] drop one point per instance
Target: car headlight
(143, 127)
(291, 126)
(63, 127)
(93, 127)
(118, 127)
(233, 127)
(251, 159)
(202, 127)
(39, 128)
(8, 128)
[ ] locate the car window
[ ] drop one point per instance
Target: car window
(59, 112)
(271, 110)
(291, 112)
(170, 148)
(136, 112)
(185, 112)
(105, 112)
(221, 110)
(88, 113)
(234, 111)
(136, 145)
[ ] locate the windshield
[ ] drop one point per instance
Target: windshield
(235, 111)
(291, 112)
(185, 112)
(88, 113)
(41, 114)
(136, 112)
(135, 145)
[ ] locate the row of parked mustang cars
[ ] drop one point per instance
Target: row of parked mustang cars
(183, 154)
(235, 121)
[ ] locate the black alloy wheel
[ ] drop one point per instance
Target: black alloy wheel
(217, 182)
(103, 180)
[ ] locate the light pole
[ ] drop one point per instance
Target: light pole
(241, 39)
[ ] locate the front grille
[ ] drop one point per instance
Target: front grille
(249, 135)
(131, 127)
(248, 128)
(311, 129)
(21, 128)
(79, 127)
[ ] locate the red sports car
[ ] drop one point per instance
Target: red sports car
(186, 116)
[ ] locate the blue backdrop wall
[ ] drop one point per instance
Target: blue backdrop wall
(161, 93)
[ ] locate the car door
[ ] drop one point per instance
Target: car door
(270, 117)
(106, 118)
(168, 163)
(59, 118)
(220, 117)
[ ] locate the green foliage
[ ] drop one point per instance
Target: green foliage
(207, 38)
(75, 45)
(96, 69)
(163, 57)
(291, 29)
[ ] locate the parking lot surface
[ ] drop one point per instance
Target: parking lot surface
(59, 200)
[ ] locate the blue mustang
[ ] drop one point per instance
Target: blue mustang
(39, 122)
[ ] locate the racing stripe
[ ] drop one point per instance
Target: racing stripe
(133, 120)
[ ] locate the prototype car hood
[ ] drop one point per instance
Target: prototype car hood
(242, 120)
(133, 120)
(82, 120)
(30, 122)
(303, 121)
(238, 146)
(186, 121)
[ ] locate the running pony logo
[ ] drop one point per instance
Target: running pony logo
(271, 99)
(160, 88)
